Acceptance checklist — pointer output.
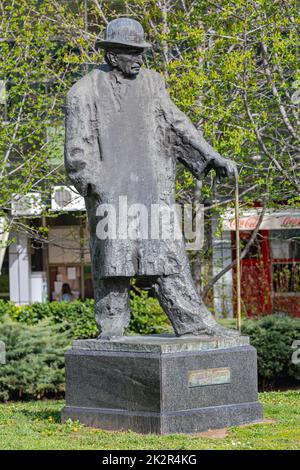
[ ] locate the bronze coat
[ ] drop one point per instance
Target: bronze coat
(123, 137)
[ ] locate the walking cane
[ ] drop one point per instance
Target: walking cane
(238, 255)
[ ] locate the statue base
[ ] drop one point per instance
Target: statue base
(162, 384)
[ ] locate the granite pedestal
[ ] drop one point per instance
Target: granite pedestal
(162, 384)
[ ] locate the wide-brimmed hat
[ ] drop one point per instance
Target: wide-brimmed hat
(124, 33)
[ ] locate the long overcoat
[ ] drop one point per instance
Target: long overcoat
(123, 137)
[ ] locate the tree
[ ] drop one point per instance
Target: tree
(229, 65)
(42, 53)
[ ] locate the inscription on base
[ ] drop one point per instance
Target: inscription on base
(204, 377)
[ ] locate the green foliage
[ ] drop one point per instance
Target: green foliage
(34, 360)
(43, 52)
(76, 317)
(231, 68)
(214, 62)
(8, 308)
(147, 317)
(273, 336)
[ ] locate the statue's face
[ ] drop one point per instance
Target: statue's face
(128, 62)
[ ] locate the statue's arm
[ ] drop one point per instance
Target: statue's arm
(80, 149)
(188, 142)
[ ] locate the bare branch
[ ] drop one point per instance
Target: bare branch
(276, 94)
(100, 9)
(230, 266)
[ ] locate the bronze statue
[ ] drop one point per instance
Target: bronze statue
(123, 138)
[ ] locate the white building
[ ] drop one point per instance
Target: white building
(33, 271)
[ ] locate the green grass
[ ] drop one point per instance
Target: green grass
(36, 425)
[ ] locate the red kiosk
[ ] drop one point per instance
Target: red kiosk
(270, 272)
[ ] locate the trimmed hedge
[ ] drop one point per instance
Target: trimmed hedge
(273, 336)
(76, 317)
(147, 317)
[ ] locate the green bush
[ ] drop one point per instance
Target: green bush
(273, 336)
(34, 360)
(147, 316)
(76, 317)
(7, 308)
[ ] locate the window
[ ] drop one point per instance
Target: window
(4, 278)
(286, 277)
(285, 250)
(285, 244)
(37, 263)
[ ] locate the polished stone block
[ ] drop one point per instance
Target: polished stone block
(162, 384)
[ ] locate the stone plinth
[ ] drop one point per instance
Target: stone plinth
(162, 384)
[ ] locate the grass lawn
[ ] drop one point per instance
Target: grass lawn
(36, 425)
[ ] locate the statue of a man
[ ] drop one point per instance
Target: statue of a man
(123, 138)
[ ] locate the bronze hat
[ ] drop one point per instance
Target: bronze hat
(124, 33)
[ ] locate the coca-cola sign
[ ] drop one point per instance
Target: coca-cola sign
(274, 221)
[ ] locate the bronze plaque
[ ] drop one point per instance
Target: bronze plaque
(204, 377)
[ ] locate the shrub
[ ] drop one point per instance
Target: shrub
(78, 317)
(34, 360)
(147, 316)
(8, 308)
(273, 336)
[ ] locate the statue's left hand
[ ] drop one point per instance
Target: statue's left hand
(222, 166)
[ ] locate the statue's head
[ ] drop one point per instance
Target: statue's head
(128, 62)
(124, 45)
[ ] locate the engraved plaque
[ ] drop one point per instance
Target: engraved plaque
(204, 377)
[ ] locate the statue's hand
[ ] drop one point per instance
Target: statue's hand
(222, 166)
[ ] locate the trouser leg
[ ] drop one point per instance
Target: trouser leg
(178, 297)
(112, 313)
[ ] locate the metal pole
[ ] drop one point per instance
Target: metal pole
(238, 255)
(82, 243)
